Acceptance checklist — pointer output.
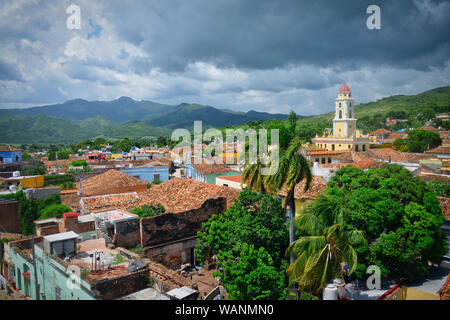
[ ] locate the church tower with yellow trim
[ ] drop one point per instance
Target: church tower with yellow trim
(345, 134)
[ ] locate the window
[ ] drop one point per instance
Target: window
(356, 148)
(329, 160)
(332, 147)
(323, 160)
(156, 177)
(340, 114)
(317, 160)
(364, 147)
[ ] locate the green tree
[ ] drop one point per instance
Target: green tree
(421, 140)
(319, 255)
(55, 210)
(292, 169)
(254, 218)
(440, 188)
(250, 274)
(148, 210)
(292, 123)
(253, 177)
(372, 211)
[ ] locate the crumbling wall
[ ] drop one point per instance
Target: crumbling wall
(169, 227)
(166, 279)
(127, 234)
(172, 254)
(47, 230)
(9, 217)
(72, 224)
(112, 288)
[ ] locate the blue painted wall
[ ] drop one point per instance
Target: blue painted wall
(10, 156)
(148, 173)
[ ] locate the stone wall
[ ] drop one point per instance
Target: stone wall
(9, 217)
(112, 288)
(41, 193)
(173, 254)
(127, 234)
(170, 227)
(166, 279)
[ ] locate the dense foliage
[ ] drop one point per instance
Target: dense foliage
(440, 188)
(148, 210)
(254, 226)
(400, 218)
(58, 179)
(32, 209)
(421, 140)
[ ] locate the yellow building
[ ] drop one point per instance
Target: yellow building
(345, 134)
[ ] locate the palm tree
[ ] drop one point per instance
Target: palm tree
(319, 254)
(292, 169)
(253, 178)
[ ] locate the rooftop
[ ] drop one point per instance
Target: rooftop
(344, 89)
(205, 168)
(440, 150)
(105, 182)
(318, 184)
(429, 128)
(116, 215)
(121, 201)
(9, 148)
(61, 236)
(379, 132)
(178, 195)
(236, 178)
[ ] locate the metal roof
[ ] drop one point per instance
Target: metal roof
(61, 236)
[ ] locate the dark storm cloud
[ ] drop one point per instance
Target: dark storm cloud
(264, 34)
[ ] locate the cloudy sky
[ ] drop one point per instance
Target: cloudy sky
(237, 54)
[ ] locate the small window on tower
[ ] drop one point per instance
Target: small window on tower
(340, 114)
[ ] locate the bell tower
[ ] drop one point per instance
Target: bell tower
(344, 122)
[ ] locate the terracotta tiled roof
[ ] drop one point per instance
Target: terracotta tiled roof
(392, 155)
(205, 168)
(352, 156)
(318, 184)
(71, 200)
(9, 148)
(440, 150)
(366, 164)
(106, 182)
(121, 201)
(178, 195)
(344, 89)
(444, 292)
(444, 134)
(429, 128)
(237, 178)
(379, 132)
(396, 135)
(320, 152)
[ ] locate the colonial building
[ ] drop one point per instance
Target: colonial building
(345, 136)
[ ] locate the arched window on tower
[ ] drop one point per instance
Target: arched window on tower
(340, 114)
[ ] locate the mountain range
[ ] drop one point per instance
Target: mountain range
(80, 119)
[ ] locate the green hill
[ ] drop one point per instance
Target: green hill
(418, 109)
(184, 115)
(39, 129)
(125, 117)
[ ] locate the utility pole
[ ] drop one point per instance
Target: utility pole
(35, 271)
